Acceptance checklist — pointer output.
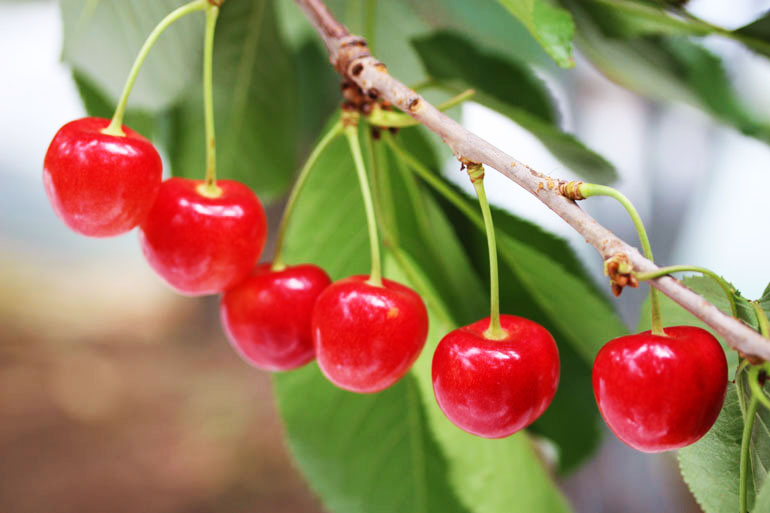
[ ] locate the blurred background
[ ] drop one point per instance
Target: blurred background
(118, 395)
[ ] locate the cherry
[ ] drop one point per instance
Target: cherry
(100, 185)
(659, 393)
(494, 388)
(367, 336)
(202, 241)
(267, 316)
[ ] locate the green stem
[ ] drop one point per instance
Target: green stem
(663, 271)
(434, 181)
(757, 396)
(456, 100)
(748, 426)
(116, 125)
(211, 188)
(589, 189)
(304, 173)
(383, 196)
(756, 388)
(351, 132)
(495, 331)
(390, 118)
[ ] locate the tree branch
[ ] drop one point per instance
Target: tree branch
(350, 56)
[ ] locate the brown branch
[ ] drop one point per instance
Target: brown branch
(350, 56)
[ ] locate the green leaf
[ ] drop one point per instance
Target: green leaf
(512, 89)
(101, 40)
(328, 228)
(630, 18)
(765, 299)
(710, 466)
(757, 34)
(96, 104)
(667, 68)
(255, 99)
(762, 502)
(489, 475)
(255, 83)
(368, 453)
(488, 23)
(551, 26)
(417, 225)
(577, 439)
(627, 19)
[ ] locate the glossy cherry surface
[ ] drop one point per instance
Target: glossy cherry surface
(200, 244)
(267, 316)
(100, 185)
(659, 393)
(367, 337)
(493, 388)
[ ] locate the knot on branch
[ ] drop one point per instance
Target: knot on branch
(475, 169)
(365, 103)
(620, 271)
(351, 49)
(571, 190)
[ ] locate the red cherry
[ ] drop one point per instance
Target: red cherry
(367, 337)
(493, 388)
(202, 244)
(659, 393)
(100, 185)
(267, 316)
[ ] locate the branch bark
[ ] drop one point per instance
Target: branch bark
(350, 56)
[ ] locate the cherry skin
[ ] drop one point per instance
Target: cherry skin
(201, 244)
(494, 388)
(100, 185)
(267, 316)
(367, 337)
(659, 393)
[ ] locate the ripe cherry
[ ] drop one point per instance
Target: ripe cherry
(367, 336)
(202, 242)
(494, 388)
(267, 316)
(659, 393)
(100, 185)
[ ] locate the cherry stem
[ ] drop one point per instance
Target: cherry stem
(756, 388)
(495, 331)
(116, 125)
(757, 396)
(663, 271)
(389, 118)
(351, 132)
(589, 189)
(748, 427)
(212, 12)
(304, 173)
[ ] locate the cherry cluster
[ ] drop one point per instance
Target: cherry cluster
(657, 390)
(206, 239)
